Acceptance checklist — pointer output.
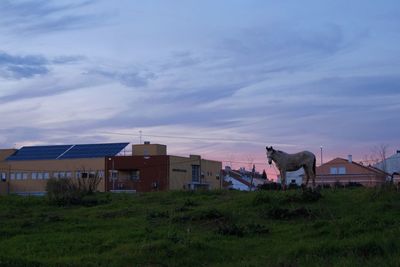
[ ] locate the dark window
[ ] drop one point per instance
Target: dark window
(195, 173)
(135, 175)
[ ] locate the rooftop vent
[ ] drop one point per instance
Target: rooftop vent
(350, 158)
(147, 142)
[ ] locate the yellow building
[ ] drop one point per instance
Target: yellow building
(26, 171)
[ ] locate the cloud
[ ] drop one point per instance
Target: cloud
(27, 66)
(127, 78)
(17, 67)
(45, 16)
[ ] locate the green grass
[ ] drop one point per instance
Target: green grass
(345, 227)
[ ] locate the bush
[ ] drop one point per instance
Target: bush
(67, 191)
(354, 184)
(63, 192)
(270, 186)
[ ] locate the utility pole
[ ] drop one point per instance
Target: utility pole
(140, 136)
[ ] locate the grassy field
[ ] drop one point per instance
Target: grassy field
(344, 227)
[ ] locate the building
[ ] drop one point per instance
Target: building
(345, 171)
(242, 179)
(391, 165)
(26, 170)
(295, 177)
(150, 168)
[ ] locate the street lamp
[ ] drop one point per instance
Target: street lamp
(321, 155)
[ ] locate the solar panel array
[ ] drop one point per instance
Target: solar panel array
(68, 151)
(94, 151)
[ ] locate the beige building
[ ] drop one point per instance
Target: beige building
(26, 171)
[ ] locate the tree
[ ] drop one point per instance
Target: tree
(378, 157)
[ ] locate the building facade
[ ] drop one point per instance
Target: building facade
(149, 168)
(345, 171)
(27, 170)
(391, 165)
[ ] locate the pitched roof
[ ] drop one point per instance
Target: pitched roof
(369, 167)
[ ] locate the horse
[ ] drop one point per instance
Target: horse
(292, 162)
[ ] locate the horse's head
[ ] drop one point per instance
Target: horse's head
(270, 152)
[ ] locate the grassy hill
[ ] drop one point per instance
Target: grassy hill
(343, 227)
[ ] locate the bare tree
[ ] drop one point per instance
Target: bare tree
(88, 181)
(380, 152)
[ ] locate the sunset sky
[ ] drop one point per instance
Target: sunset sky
(218, 78)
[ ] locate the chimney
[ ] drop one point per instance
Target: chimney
(350, 157)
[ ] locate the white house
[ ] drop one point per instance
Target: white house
(391, 165)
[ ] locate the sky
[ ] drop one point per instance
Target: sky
(223, 79)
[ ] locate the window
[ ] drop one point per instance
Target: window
(92, 174)
(101, 174)
(195, 173)
(84, 175)
(24, 175)
(135, 175)
(12, 176)
(333, 170)
(34, 175)
(39, 175)
(68, 174)
(3, 176)
(18, 176)
(338, 170)
(55, 174)
(61, 175)
(46, 175)
(113, 174)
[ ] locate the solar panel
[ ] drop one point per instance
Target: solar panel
(67, 151)
(39, 152)
(94, 150)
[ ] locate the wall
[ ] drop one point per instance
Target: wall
(149, 150)
(180, 172)
(211, 169)
(29, 185)
(354, 173)
(153, 173)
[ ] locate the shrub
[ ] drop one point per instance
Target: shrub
(270, 186)
(67, 191)
(310, 195)
(63, 192)
(231, 229)
(354, 184)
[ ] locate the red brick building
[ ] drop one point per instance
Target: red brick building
(149, 168)
(344, 171)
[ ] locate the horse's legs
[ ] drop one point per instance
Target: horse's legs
(307, 173)
(283, 179)
(310, 173)
(313, 178)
